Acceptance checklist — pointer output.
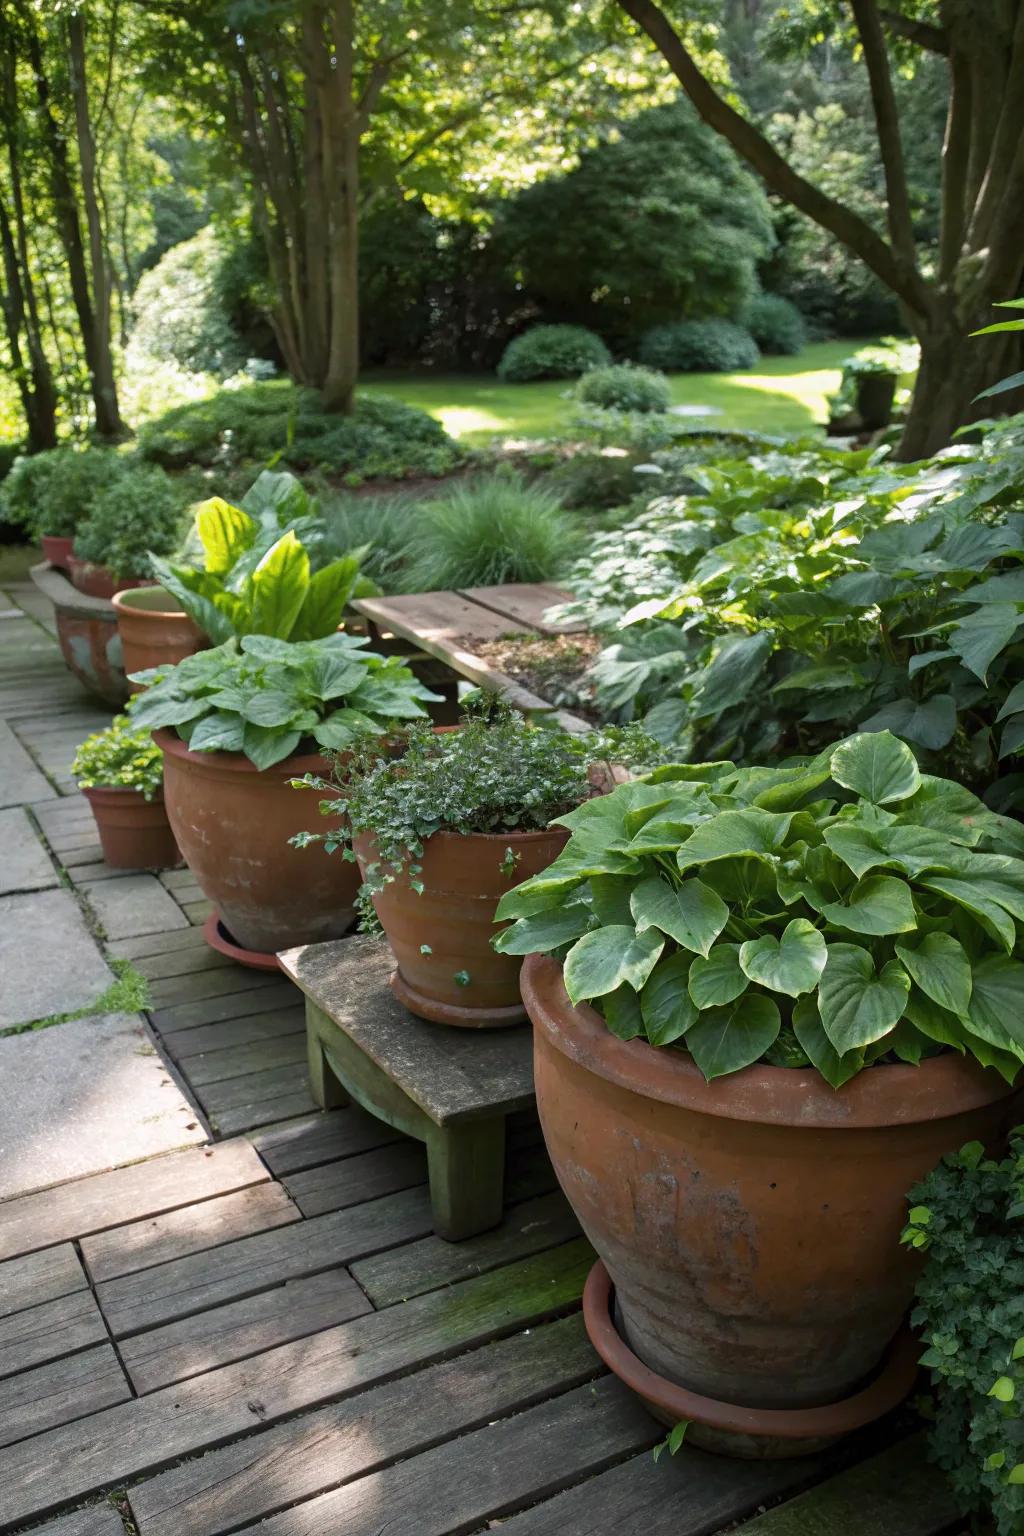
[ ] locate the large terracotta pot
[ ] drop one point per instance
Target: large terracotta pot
(232, 823)
(154, 631)
(91, 647)
(97, 580)
(134, 832)
(57, 550)
(750, 1225)
(446, 931)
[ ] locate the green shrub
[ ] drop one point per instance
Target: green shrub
(596, 480)
(179, 312)
(624, 387)
(776, 325)
(121, 757)
(382, 439)
(552, 352)
(141, 512)
(699, 346)
(54, 492)
(823, 913)
(493, 529)
(970, 1311)
(380, 525)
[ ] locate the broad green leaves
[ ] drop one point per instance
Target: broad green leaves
(601, 961)
(792, 963)
(665, 1004)
(858, 1006)
(877, 767)
(877, 905)
(717, 979)
(727, 1039)
(690, 913)
(938, 964)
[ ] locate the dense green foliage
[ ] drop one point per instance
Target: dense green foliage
(257, 575)
(492, 529)
(124, 756)
(265, 697)
(624, 387)
(383, 439)
(140, 513)
(181, 310)
(55, 492)
(970, 1310)
(776, 325)
(698, 346)
(552, 352)
(833, 912)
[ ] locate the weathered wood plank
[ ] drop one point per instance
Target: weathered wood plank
(525, 603)
(236, 1032)
(158, 943)
(321, 1139)
(219, 1066)
(252, 1088)
(40, 1277)
(192, 1229)
(240, 1118)
(233, 1006)
(481, 1476)
(94, 1520)
(242, 1328)
(363, 1176)
(399, 1273)
(202, 983)
(53, 1469)
(55, 1394)
(126, 1194)
(896, 1493)
(46, 1332)
(154, 1296)
(302, 1458)
(185, 961)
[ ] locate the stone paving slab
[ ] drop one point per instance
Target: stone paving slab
(132, 905)
(21, 783)
(48, 958)
(91, 1095)
(25, 865)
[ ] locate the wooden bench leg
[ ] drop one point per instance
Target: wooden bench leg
(324, 1087)
(466, 1163)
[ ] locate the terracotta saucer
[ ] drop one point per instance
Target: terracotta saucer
(218, 938)
(450, 1013)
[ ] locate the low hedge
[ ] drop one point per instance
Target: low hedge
(699, 346)
(552, 352)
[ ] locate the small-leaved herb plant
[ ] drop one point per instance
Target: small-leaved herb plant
(832, 913)
(968, 1216)
(496, 773)
(124, 756)
(266, 697)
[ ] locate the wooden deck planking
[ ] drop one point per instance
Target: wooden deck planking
(40, 1277)
(48, 1331)
(322, 1138)
(524, 602)
(58, 1393)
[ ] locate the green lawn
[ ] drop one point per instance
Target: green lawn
(783, 394)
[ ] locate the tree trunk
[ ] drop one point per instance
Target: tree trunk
(954, 369)
(342, 185)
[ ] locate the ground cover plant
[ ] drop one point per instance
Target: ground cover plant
(966, 1217)
(264, 697)
(124, 756)
(833, 912)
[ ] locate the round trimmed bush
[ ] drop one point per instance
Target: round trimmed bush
(625, 387)
(699, 346)
(775, 324)
(139, 513)
(552, 352)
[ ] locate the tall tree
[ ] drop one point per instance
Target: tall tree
(981, 242)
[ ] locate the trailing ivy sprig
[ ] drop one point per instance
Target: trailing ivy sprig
(828, 913)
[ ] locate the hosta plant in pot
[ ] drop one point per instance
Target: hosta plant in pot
(120, 773)
(442, 828)
(765, 1002)
(237, 724)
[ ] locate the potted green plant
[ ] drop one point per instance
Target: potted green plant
(441, 827)
(237, 724)
(120, 773)
(766, 1001)
(138, 514)
(51, 494)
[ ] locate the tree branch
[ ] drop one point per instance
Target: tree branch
(887, 122)
(956, 156)
(847, 226)
(923, 33)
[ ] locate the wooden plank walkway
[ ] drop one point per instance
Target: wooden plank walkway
(263, 1333)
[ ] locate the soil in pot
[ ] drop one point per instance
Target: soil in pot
(441, 938)
(232, 822)
(750, 1226)
(134, 832)
(154, 631)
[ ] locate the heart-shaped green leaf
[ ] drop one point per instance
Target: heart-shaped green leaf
(940, 967)
(834, 1068)
(621, 1010)
(758, 834)
(877, 905)
(726, 1039)
(877, 766)
(690, 913)
(601, 961)
(546, 931)
(792, 964)
(717, 978)
(996, 1008)
(856, 1004)
(666, 1005)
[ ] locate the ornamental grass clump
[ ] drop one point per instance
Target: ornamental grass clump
(124, 756)
(832, 913)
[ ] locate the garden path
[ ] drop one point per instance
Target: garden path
(222, 1312)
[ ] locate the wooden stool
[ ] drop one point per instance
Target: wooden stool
(450, 1088)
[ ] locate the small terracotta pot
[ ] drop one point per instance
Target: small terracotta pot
(134, 832)
(750, 1226)
(97, 581)
(57, 550)
(232, 822)
(453, 919)
(154, 631)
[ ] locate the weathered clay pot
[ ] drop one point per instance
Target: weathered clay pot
(232, 822)
(57, 550)
(463, 881)
(97, 581)
(154, 631)
(750, 1225)
(134, 832)
(91, 647)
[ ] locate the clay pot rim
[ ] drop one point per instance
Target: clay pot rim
(298, 763)
(112, 792)
(881, 1095)
(121, 602)
(832, 1420)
